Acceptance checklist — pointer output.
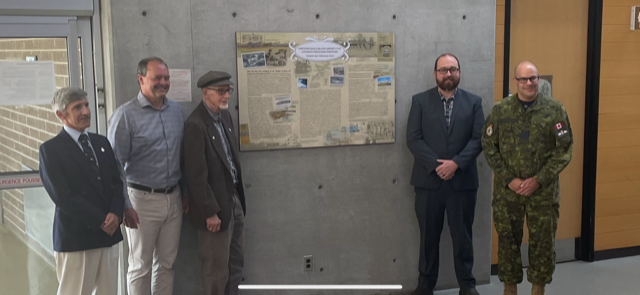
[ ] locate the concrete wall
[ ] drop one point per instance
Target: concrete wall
(352, 208)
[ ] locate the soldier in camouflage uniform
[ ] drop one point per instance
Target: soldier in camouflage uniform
(527, 141)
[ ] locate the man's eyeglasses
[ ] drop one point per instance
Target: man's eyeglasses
(443, 71)
(533, 79)
(222, 91)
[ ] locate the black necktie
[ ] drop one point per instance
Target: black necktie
(84, 141)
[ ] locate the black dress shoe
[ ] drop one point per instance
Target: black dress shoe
(471, 291)
(422, 291)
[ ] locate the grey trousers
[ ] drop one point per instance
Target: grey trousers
(222, 255)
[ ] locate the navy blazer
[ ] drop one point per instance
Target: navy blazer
(83, 196)
(428, 139)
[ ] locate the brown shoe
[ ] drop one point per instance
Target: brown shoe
(537, 289)
(510, 289)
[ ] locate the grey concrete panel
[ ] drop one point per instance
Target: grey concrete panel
(352, 208)
(164, 32)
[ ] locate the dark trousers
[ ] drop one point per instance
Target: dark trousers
(222, 255)
(460, 208)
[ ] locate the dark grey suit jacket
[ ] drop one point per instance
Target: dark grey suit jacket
(207, 170)
(428, 139)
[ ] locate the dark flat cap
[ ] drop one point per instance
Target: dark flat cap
(213, 78)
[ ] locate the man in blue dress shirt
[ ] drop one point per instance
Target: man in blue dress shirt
(146, 135)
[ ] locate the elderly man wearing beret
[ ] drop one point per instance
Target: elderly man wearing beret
(214, 178)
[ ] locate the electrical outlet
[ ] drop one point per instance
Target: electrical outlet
(308, 262)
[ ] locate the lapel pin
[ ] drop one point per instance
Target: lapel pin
(214, 138)
(229, 129)
(102, 149)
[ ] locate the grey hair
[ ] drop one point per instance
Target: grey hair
(143, 65)
(64, 96)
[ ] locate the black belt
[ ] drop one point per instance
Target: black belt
(166, 190)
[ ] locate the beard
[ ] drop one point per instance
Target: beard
(448, 83)
(224, 106)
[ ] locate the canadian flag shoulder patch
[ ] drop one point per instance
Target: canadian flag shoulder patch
(559, 126)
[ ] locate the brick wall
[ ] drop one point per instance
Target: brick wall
(24, 128)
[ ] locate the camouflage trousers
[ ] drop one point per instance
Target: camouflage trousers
(509, 212)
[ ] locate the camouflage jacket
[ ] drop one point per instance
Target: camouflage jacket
(520, 143)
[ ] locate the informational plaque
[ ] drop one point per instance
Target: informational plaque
(23, 82)
(180, 89)
(299, 90)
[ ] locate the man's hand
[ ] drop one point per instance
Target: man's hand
(131, 219)
(447, 169)
(528, 187)
(185, 203)
(110, 224)
(213, 223)
(514, 185)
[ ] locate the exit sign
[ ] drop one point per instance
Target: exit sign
(635, 18)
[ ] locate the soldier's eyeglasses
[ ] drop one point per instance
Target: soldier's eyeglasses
(443, 71)
(533, 79)
(222, 91)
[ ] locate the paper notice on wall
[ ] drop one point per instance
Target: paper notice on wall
(180, 89)
(24, 83)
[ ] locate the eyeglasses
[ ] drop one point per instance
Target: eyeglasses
(533, 79)
(443, 71)
(222, 91)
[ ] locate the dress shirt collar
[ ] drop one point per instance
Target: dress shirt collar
(214, 115)
(144, 102)
(75, 134)
(444, 98)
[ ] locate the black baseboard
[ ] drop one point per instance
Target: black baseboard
(615, 253)
(494, 269)
(578, 250)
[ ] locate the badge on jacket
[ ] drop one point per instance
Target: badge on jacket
(560, 129)
(490, 130)
(559, 126)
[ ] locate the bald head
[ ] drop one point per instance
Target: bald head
(526, 68)
(526, 77)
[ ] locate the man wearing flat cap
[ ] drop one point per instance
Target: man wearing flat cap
(214, 178)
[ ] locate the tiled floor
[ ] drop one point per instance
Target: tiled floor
(607, 277)
(22, 272)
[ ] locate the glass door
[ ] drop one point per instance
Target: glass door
(37, 56)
